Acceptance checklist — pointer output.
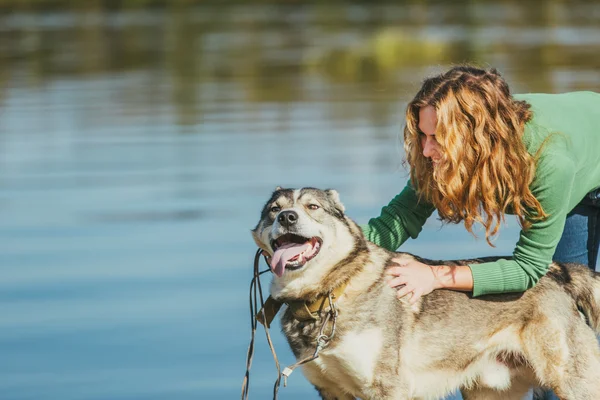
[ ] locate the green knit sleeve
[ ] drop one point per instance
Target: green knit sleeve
(402, 218)
(535, 248)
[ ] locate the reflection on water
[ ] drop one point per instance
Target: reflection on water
(137, 147)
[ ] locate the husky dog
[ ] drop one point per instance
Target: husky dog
(492, 347)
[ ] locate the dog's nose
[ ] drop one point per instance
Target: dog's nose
(287, 218)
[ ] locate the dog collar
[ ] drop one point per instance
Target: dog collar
(301, 310)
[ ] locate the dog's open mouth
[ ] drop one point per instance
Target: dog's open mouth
(293, 252)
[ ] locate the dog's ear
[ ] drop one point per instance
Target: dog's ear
(278, 188)
(259, 242)
(334, 196)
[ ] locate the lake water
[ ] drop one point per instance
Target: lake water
(137, 147)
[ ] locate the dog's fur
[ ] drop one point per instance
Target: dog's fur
(491, 347)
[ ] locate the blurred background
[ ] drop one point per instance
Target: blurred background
(140, 139)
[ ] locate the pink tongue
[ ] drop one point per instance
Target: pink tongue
(285, 253)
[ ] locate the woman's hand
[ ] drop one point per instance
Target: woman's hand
(418, 279)
(412, 277)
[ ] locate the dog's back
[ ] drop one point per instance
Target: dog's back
(583, 285)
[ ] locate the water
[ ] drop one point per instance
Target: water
(137, 147)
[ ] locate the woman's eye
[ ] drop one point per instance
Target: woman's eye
(421, 133)
(313, 207)
(275, 209)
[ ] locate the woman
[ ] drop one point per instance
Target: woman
(477, 153)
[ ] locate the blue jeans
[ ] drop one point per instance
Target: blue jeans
(579, 243)
(581, 237)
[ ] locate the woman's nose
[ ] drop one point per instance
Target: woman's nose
(428, 147)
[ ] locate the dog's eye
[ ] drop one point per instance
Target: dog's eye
(313, 207)
(275, 209)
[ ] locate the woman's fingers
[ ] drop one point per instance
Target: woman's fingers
(408, 279)
(403, 291)
(397, 281)
(415, 295)
(396, 270)
(399, 261)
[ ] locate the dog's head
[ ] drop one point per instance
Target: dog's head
(306, 234)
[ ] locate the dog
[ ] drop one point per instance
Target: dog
(491, 347)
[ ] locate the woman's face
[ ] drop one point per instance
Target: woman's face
(427, 124)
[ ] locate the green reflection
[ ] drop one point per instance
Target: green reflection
(201, 57)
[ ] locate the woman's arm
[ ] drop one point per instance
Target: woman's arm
(402, 218)
(532, 255)
(458, 277)
(553, 188)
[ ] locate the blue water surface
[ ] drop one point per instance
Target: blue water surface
(135, 158)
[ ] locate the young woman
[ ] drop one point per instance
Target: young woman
(477, 153)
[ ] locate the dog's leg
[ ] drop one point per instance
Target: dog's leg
(375, 395)
(581, 380)
(328, 390)
(515, 392)
(521, 381)
(581, 384)
(539, 393)
(566, 358)
(329, 395)
(385, 391)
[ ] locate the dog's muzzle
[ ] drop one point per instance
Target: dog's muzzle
(293, 251)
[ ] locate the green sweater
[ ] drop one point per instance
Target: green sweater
(567, 169)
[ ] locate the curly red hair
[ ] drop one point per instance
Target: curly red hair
(485, 168)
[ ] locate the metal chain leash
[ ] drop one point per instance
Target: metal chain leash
(321, 342)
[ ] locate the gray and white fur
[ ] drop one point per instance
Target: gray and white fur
(491, 347)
